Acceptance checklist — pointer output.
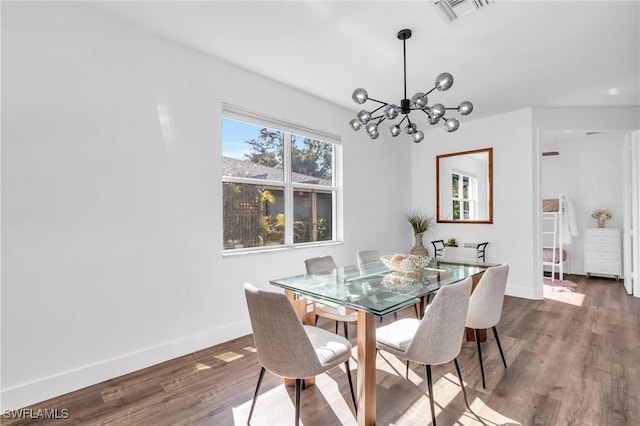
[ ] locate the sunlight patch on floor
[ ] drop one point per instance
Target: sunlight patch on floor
(263, 412)
(200, 366)
(324, 395)
(228, 356)
(571, 298)
(488, 415)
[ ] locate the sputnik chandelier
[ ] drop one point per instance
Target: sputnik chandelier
(418, 102)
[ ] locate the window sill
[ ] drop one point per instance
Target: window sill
(276, 248)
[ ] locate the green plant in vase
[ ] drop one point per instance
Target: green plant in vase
(420, 223)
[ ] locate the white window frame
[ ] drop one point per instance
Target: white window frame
(290, 129)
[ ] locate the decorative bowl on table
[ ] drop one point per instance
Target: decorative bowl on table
(405, 263)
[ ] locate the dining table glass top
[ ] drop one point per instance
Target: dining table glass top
(376, 289)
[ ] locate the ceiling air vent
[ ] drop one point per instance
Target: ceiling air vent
(454, 9)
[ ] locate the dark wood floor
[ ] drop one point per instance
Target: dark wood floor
(574, 359)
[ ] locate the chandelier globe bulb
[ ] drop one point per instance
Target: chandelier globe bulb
(410, 128)
(355, 124)
(371, 128)
(444, 81)
(360, 96)
(391, 111)
(451, 124)
(419, 100)
(418, 136)
(394, 130)
(364, 116)
(437, 110)
(465, 108)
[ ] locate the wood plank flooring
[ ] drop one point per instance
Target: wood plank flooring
(574, 359)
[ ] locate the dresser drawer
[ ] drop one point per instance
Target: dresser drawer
(609, 240)
(602, 255)
(602, 247)
(601, 232)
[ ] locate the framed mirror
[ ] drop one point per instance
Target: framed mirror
(464, 187)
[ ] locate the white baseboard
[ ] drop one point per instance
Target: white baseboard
(67, 381)
(524, 292)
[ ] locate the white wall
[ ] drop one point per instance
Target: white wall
(111, 214)
(510, 238)
(588, 171)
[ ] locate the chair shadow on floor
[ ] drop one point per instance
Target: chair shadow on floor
(409, 396)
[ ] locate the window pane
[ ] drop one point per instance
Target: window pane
(253, 215)
(465, 187)
(312, 216)
(456, 209)
(465, 213)
(311, 161)
(454, 186)
(252, 151)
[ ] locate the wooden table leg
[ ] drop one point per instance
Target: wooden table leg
(468, 332)
(366, 386)
(300, 306)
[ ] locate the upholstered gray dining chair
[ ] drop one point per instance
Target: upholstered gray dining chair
(436, 339)
(367, 256)
(485, 307)
(317, 265)
(289, 349)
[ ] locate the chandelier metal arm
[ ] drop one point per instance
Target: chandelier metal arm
(429, 92)
(380, 102)
(380, 119)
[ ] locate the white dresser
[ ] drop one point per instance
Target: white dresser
(602, 252)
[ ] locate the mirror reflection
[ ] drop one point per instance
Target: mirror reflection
(464, 191)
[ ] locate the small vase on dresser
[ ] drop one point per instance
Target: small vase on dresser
(603, 252)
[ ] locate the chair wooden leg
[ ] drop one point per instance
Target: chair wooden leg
(353, 395)
(298, 386)
(477, 334)
(495, 334)
(430, 387)
(255, 395)
(464, 392)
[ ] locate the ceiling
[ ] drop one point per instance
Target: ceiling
(507, 56)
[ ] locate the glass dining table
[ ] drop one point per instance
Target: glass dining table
(373, 290)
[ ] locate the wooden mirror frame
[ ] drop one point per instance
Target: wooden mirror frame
(489, 152)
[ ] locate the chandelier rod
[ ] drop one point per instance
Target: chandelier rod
(404, 54)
